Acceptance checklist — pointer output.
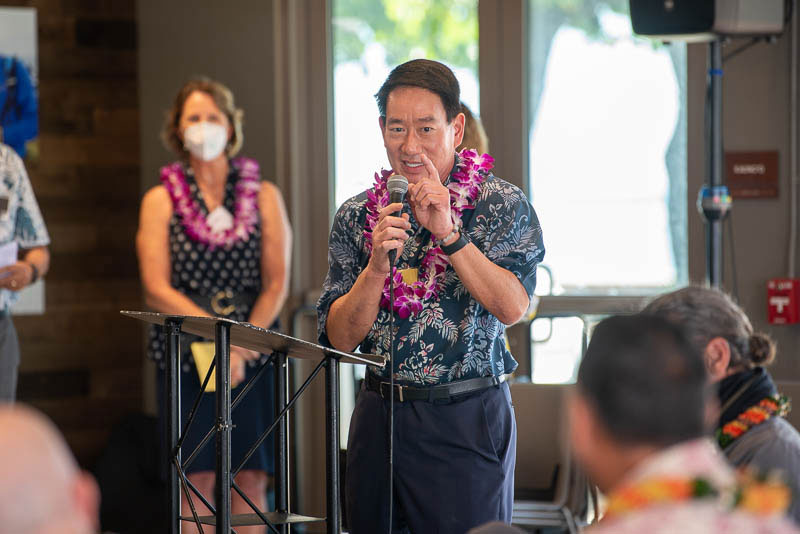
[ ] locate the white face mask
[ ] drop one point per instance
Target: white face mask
(205, 140)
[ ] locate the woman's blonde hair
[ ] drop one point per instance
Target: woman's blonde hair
(474, 135)
(222, 97)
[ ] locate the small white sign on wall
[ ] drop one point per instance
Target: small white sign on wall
(31, 300)
(18, 37)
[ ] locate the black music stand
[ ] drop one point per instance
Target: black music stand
(226, 332)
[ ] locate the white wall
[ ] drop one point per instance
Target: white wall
(230, 42)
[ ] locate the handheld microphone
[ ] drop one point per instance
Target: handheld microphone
(397, 186)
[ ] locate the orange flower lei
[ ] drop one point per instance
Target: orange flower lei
(777, 405)
(658, 490)
(753, 493)
(762, 495)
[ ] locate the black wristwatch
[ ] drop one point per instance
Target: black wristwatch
(456, 245)
(34, 269)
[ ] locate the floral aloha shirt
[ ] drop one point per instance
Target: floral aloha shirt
(20, 217)
(454, 337)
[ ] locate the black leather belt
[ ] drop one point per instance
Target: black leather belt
(224, 303)
(439, 392)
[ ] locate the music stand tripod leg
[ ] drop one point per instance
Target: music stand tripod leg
(334, 520)
(282, 437)
(224, 425)
(172, 388)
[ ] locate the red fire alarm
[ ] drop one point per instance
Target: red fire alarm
(783, 295)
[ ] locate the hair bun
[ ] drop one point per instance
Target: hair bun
(762, 349)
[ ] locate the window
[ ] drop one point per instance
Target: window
(607, 163)
(557, 345)
(370, 37)
(607, 148)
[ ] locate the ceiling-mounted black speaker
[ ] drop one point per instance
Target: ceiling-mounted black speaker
(698, 20)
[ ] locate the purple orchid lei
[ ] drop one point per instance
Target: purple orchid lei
(465, 186)
(245, 214)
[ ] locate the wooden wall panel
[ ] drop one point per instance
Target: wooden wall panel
(81, 362)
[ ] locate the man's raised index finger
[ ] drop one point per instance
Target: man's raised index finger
(433, 174)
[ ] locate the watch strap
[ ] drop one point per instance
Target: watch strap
(456, 245)
(35, 271)
(454, 232)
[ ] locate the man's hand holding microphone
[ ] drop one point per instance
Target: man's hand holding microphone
(390, 232)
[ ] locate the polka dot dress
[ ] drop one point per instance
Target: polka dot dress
(197, 270)
(201, 273)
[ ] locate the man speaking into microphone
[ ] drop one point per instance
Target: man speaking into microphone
(467, 245)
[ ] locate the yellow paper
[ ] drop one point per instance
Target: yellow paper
(410, 275)
(203, 354)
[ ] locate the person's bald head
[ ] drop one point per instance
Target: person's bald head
(41, 487)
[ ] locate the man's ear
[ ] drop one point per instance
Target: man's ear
(86, 499)
(717, 357)
(382, 124)
(458, 129)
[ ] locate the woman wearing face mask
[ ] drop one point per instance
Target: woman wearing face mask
(214, 240)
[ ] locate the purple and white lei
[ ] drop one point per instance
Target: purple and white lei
(245, 215)
(465, 185)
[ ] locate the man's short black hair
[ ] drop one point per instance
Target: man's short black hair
(646, 382)
(427, 74)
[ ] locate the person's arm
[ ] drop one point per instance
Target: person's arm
(38, 259)
(352, 315)
(152, 247)
(494, 287)
(276, 256)
(30, 233)
(34, 265)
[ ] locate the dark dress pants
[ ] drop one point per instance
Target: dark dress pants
(453, 463)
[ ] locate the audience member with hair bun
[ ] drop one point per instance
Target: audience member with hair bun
(750, 428)
(638, 429)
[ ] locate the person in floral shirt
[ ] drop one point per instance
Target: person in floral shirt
(467, 246)
(24, 238)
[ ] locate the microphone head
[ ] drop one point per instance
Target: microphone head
(397, 184)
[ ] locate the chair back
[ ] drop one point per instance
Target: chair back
(542, 447)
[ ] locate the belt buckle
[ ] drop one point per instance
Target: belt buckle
(217, 303)
(388, 386)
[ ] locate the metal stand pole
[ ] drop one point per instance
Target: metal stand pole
(716, 177)
(281, 438)
(332, 446)
(172, 389)
(714, 201)
(224, 425)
